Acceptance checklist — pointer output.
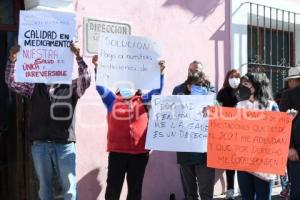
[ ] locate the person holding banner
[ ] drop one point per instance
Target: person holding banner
(227, 97)
(127, 118)
(197, 179)
(255, 93)
(51, 129)
(291, 100)
(182, 89)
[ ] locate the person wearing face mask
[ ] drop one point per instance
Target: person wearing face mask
(227, 97)
(127, 120)
(196, 177)
(182, 89)
(255, 93)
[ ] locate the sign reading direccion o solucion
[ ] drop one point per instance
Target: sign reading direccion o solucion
(93, 28)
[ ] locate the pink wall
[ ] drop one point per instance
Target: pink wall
(188, 30)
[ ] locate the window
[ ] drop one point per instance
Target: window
(270, 46)
(271, 43)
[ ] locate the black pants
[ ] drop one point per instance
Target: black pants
(133, 165)
(230, 179)
(294, 178)
(198, 180)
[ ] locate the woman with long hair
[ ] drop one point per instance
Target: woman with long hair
(227, 97)
(255, 93)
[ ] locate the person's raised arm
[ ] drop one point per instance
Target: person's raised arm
(146, 98)
(107, 96)
(24, 89)
(84, 78)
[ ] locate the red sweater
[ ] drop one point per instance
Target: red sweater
(127, 126)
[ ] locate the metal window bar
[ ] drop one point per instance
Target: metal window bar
(271, 38)
(279, 30)
(251, 34)
(268, 38)
(277, 46)
(264, 48)
(289, 39)
(294, 43)
(257, 28)
(283, 56)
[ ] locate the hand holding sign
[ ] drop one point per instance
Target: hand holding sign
(128, 60)
(45, 39)
(95, 60)
(13, 53)
(75, 50)
(162, 66)
(293, 155)
(292, 112)
(248, 140)
(177, 123)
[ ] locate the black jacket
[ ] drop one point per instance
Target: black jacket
(291, 100)
(227, 97)
(51, 117)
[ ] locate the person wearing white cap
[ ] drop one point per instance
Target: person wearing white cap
(292, 81)
(291, 100)
(293, 78)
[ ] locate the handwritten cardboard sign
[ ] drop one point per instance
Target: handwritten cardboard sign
(178, 123)
(128, 61)
(45, 55)
(248, 140)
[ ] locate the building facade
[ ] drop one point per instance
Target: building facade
(251, 35)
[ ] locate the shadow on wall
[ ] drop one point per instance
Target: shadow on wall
(199, 8)
(162, 177)
(221, 39)
(89, 186)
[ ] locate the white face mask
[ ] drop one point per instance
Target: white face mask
(234, 82)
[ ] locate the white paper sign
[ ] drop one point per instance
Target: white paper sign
(128, 61)
(45, 55)
(177, 123)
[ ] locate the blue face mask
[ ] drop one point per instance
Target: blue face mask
(198, 90)
(127, 93)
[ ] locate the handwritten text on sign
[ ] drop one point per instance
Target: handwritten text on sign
(247, 140)
(128, 61)
(45, 55)
(178, 123)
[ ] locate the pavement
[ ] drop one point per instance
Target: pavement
(275, 195)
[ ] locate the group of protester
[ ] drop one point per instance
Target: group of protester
(53, 141)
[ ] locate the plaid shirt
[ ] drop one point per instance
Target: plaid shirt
(26, 89)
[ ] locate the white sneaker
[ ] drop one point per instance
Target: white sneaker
(230, 194)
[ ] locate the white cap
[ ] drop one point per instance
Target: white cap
(294, 72)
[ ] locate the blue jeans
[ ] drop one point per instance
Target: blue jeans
(254, 188)
(284, 181)
(50, 156)
(294, 176)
